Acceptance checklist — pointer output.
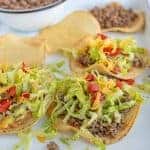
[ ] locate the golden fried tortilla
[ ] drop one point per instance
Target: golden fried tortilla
(66, 33)
(14, 49)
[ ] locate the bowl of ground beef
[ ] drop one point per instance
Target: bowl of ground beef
(31, 15)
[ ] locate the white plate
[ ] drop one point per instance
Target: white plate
(139, 136)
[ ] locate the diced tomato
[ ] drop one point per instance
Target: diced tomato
(110, 52)
(102, 36)
(25, 95)
(116, 52)
(11, 91)
(119, 84)
(129, 81)
(90, 77)
(97, 96)
(24, 67)
(107, 50)
(116, 70)
(93, 87)
(4, 105)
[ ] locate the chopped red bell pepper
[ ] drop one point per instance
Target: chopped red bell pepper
(129, 81)
(90, 77)
(102, 36)
(4, 105)
(93, 87)
(11, 91)
(109, 51)
(119, 84)
(116, 52)
(25, 95)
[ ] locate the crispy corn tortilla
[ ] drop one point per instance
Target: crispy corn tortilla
(14, 49)
(135, 27)
(128, 123)
(66, 33)
(78, 68)
(20, 125)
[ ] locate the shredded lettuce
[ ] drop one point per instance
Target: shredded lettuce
(112, 97)
(48, 130)
(134, 94)
(126, 105)
(124, 64)
(3, 78)
(96, 54)
(145, 87)
(25, 141)
(128, 45)
(57, 69)
(93, 139)
(36, 81)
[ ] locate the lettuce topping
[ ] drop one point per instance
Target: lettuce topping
(89, 98)
(27, 89)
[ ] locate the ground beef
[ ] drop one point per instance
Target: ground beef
(85, 60)
(52, 146)
(104, 130)
(75, 122)
(24, 4)
(137, 62)
(114, 15)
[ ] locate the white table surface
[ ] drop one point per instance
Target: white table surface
(139, 136)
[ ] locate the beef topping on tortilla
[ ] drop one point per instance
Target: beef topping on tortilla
(52, 146)
(114, 15)
(74, 122)
(24, 4)
(85, 60)
(102, 130)
(137, 62)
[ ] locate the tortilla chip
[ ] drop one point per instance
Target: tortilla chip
(14, 49)
(66, 33)
(18, 126)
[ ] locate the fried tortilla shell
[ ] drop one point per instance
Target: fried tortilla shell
(14, 49)
(66, 33)
(18, 126)
(76, 67)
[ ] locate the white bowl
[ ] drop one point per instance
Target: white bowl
(34, 19)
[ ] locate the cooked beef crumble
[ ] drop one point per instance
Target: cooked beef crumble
(75, 122)
(52, 146)
(102, 130)
(85, 60)
(114, 15)
(137, 62)
(24, 4)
